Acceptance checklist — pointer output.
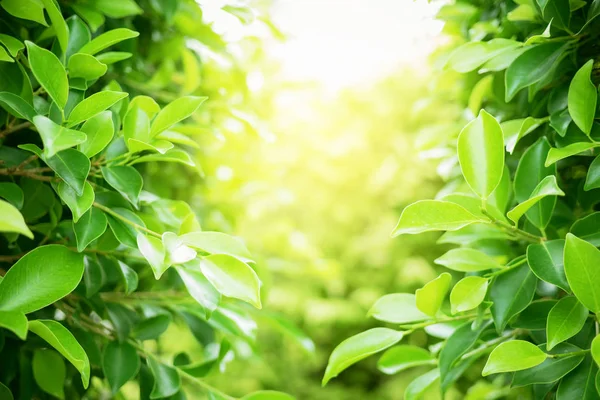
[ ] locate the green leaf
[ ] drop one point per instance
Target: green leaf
(49, 72)
(588, 228)
(99, 130)
(595, 349)
(467, 260)
(154, 252)
(579, 383)
(433, 215)
(79, 35)
(468, 293)
(400, 358)
(511, 292)
(130, 277)
(532, 66)
(173, 155)
(126, 180)
(86, 67)
(108, 39)
(514, 355)
(472, 55)
(557, 154)
(232, 278)
(530, 172)
(41, 277)
(120, 363)
(151, 328)
(552, 369)
(15, 322)
(32, 10)
(89, 227)
(73, 167)
(481, 154)
(166, 379)
(430, 297)
(556, 11)
(517, 129)
(217, 243)
(120, 9)
(94, 277)
(268, 395)
(5, 392)
(94, 105)
(582, 99)
(78, 205)
(65, 343)
(592, 180)
(58, 23)
(174, 112)
(111, 57)
(125, 232)
(13, 193)
(49, 372)
(565, 320)
(358, 347)
(546, 261)
(12, 220)
(17, 106)
(417, 388)
(199, 287)
(547, 187)
(136, 129)
(397, 308)
(176, 251)
(56, 137)
(581, 267)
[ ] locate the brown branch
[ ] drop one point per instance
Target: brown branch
(13, 129)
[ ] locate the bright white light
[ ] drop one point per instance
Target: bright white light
(342, 43)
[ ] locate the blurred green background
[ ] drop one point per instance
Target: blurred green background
(317, 135)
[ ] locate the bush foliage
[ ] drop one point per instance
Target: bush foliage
(95, 269)
(514, 317)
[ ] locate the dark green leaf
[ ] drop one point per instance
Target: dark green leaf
(511, 292)
(580, 383)
(73, 167)
(166, 379)
(126, 180)
(552, 369)
(581, 260)
(90, 227)
(120, 363)
(546, 262)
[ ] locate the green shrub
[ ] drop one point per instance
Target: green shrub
(96, 270)
(519, 302)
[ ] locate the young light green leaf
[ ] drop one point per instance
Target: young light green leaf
(121, 9)
(86, 67)
(232, 278)
(65, 343)
(94, 105)
(430, 297)
(433, 215)
(217, 243)
(126, 180)
(595, 349)
(58, 23)
(56, 137)
(417, 388)
(557, 154)
(514, 355)
(546, 261)
(49, 72)
(166, 379)
(581, 262)
(582, 99)
(400, 358)
(547, 187)
(49, 372)
(468, 293)
(199, 287)
(173, 155)
(481, 154)
(120, 363)
(467, 260)
(72, 166)
(32, 10)
(174, 112)
(565, 320)
(89, 227)
(99, 130)
(111, 57)
(108, 39)
(517, 129)
(15, 322)
(397, 308)
(176, 251)
(358, 347)
(78, 205)
(153, 251)
(41, 277)
(268, 395)
(511, 293)
(552, 369)
(12, 220)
